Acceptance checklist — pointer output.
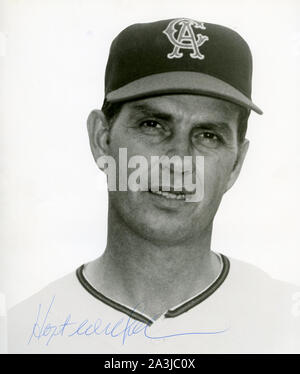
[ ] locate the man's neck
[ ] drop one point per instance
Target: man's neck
(152, 277)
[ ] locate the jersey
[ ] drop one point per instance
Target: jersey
(242, 311)
(3, 325)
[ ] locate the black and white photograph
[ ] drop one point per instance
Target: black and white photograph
(149, 177)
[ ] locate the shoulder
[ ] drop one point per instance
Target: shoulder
(258, 292)
(44, 322)
(250, 280)
(65, 289)
(52, 303)
(251, 276)
(266, 308)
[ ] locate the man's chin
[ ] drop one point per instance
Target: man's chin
(163, 228)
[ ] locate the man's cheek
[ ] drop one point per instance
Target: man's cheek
(216, 176)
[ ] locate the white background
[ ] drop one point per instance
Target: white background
(53, 199)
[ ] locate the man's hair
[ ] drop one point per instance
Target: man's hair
(112, 110)
(243, 124)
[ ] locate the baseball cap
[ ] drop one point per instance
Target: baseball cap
(176, 56)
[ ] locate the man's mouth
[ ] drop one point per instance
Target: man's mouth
(171, 194)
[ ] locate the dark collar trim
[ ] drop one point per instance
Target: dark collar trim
(121, 308)
(204, 295)
(170, 313)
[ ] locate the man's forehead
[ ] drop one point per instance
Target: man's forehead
(197, 106)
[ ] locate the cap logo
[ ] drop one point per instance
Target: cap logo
(187, 37)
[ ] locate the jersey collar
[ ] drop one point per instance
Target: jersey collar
(171, 313)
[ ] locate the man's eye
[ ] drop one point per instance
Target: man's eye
(150, 126)
(208, 139)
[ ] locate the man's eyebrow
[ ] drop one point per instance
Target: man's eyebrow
(149, 110)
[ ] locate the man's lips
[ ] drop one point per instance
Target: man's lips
(168, 195)
(171, 189)
(171, 193)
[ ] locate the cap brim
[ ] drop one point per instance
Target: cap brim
(181, 82)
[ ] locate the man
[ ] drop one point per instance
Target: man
(173, 88)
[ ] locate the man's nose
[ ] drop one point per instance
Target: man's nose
(179, 147)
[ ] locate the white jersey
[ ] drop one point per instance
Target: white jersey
(242, 311)
(3, 325)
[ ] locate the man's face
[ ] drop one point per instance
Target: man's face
(181, 125)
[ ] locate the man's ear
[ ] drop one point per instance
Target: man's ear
(243, 148)
(98, 130)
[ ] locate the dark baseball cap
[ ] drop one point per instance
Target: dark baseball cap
(179, 56)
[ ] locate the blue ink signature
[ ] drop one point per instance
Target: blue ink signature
(123, 328)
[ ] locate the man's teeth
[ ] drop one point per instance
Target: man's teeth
(170, 195)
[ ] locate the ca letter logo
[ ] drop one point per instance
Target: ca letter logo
(186, 38)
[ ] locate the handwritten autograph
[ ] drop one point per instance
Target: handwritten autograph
(123, 328)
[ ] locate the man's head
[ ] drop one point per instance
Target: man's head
(179, 56)
(175, 88)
